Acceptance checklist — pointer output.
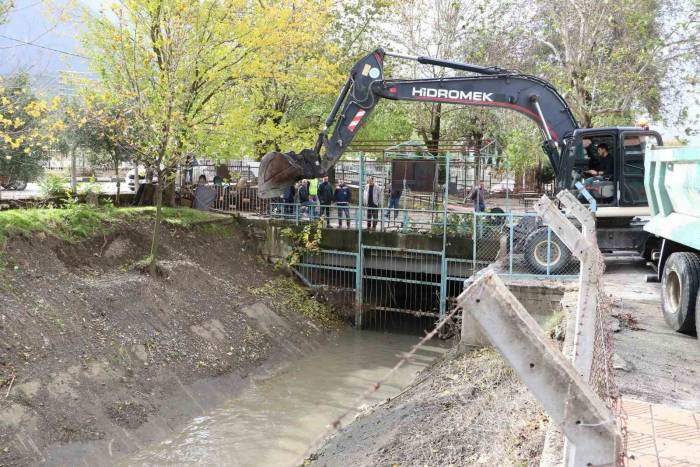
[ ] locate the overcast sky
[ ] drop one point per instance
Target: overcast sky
(36, 21)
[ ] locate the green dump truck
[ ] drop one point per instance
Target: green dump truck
(672, 182)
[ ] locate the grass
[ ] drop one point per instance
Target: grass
(183, 217)
(555, 326)
(79, 221)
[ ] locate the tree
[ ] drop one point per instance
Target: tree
(614, 60)
(296, 79)
(523, 150)
(175, 63)
(427, 27)
(102, 126)
(390, 121)
(26, 129)
(5, 7)
(475, 33)
(306, 52)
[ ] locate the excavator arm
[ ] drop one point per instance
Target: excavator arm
(491, 87)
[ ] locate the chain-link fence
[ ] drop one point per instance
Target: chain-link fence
(602, 376)
(518, 242)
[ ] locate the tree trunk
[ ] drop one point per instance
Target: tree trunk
(73, 170)
(156, 228)
(476, 142)
(136, 177)
(169, 191)
(433, 143)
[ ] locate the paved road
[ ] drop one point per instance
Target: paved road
(662, 366)
(33, 190)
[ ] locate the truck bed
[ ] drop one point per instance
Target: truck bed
(672, 182)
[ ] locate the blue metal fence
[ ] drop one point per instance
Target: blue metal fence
(422, 282)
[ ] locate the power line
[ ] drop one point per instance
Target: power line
(26, 7)
(44, 47)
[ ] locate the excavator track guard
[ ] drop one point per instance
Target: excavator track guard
(279, 170)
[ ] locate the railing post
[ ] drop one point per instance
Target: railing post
(443, 264)
(583, 244)
(510, 242)
(474, 252)
(549, 248)
(568, 399)
(360, 253)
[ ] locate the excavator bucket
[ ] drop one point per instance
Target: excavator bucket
(278, 170)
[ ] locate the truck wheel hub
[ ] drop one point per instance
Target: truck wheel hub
(673, 291)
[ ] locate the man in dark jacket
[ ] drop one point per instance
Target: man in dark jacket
(478, 197)
(394, 198)
(288, 199)
(304, 199)
(343, 198)
(325, 198)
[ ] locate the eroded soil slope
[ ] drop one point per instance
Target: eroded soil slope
(97, 358)
(465, 410)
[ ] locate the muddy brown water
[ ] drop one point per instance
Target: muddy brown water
(274, 420)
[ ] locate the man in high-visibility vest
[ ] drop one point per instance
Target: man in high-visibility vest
(313, 197)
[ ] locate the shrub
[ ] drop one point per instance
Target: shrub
(53, 185)
(91, 187)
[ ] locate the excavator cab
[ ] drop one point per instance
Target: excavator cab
(623, 185)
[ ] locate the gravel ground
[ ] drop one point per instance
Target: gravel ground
(653, 362)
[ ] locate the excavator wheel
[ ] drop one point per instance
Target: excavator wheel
(546, 255)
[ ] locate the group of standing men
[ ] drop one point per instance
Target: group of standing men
(313, 195)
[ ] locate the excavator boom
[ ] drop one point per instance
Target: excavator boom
(491, 87)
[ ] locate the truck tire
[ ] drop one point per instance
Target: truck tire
(535, 253)
(679, 291)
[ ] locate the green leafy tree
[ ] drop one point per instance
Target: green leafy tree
(174, 63)
(298, 73)
(103, 126)
(304, 56)
(390, 121)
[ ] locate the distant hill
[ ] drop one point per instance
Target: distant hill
(36, 21)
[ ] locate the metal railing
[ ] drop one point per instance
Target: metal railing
(422, 282)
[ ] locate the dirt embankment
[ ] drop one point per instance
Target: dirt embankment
(467, 409)
(97, 358)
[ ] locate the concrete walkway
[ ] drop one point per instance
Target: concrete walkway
(661, 436)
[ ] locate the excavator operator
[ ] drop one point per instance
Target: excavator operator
(603, 165)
